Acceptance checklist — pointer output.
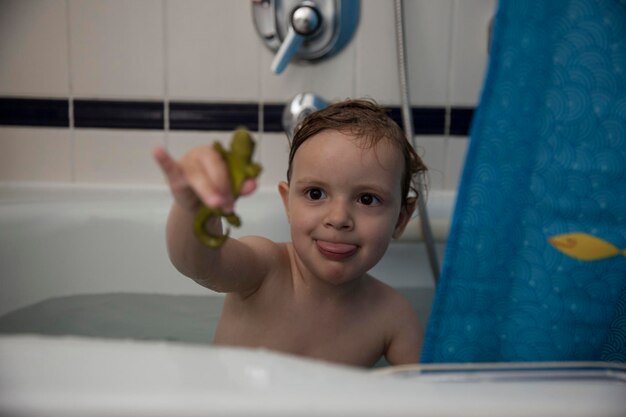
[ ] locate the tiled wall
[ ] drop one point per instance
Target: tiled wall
(208, 51)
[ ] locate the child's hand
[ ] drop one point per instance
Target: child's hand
(199, 178)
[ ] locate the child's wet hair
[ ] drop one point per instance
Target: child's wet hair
(365, 120)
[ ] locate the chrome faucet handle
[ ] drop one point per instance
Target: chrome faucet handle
(305, 21)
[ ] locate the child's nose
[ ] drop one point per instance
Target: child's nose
(339, 216)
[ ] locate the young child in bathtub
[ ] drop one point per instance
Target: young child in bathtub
(349, 191)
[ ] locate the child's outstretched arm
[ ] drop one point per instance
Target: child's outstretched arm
(200, 178)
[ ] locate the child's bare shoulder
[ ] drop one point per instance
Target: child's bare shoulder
(402, 328)
(264, 246)
(388, 298)
(271, 259)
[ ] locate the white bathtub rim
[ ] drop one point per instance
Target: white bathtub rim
(71, 376)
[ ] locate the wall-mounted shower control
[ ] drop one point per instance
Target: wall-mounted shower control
(305, 21)
(304, 30)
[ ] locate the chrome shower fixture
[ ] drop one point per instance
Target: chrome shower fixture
(307, 30)
(298, 108)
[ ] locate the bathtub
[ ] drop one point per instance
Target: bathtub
(94, 320)
(66, 240)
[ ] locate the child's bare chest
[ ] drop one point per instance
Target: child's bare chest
(306, 327)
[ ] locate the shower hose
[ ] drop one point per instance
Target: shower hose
(407, 120)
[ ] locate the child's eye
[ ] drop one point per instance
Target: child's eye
(369, 199)
(315, 194)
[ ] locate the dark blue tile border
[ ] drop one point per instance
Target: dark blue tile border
(273, 117)
(119, 114)
(36, 112)
(150, 115)
(213, 116)
(426, 120)
(461, 120)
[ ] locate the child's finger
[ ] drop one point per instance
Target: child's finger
(206, 190)
(217, 170)
(176, 179)
(168, 165)
(248, 187)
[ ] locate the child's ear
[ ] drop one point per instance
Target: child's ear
(283, 189)
(405, 215)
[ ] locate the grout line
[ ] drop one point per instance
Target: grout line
(166, 76)
(355, 69)
(70, 83)
(450, 72)
(449, 86)
(261, 122)
(260, 90)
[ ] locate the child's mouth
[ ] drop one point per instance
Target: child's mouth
(336, 251)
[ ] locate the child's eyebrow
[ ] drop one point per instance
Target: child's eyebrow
(379, 190)
(309, 180)
(365, 187)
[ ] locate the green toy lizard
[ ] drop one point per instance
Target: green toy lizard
(240, 168)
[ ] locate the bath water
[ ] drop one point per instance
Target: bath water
(179, 318)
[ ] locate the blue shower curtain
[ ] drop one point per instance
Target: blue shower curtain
(535, 267)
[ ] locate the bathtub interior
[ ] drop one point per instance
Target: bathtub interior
(92, 262)
(94, 320)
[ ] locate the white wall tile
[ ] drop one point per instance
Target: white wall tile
(274, 157)
(332, 78)
(455, 158)
(432, 150)
(213, 51)
(428, 43)
(180, 142)
(116, 156)
(376, 56)
(469, 57)
(33, 48)
(117, 48)
(35, 154)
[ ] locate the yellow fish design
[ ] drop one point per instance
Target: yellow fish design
(585, 247)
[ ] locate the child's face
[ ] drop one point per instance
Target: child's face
(344, 204)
